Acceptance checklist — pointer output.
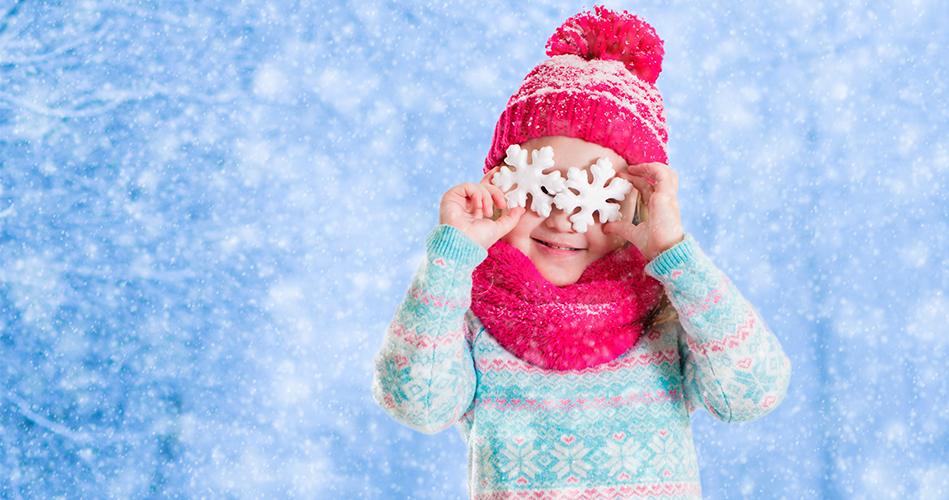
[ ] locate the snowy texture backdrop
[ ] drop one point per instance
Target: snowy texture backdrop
(209, 212)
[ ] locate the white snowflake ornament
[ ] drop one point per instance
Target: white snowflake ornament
(529, 179)
(592, 197)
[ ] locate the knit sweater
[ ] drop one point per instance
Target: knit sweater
(612, 431)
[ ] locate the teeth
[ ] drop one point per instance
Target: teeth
(558, 247)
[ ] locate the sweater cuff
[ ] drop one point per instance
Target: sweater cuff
(449, 243)
(682, 255)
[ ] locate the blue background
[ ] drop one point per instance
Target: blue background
(210, 210)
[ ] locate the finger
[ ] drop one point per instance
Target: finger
(457, 196)
(491, 200)
(489, 175)
(663, 190)
(507, 221)
(474, 197)
(642, 184)
(659, 172)
(484, 203)
(498, 196)
(459, 204)
(645, 187)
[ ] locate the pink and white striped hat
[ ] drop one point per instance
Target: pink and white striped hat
(598, 85)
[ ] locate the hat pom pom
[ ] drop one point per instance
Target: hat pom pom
(604, 34)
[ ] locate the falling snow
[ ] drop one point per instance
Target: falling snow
(209, 212)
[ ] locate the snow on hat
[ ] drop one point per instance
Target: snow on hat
(598, 85)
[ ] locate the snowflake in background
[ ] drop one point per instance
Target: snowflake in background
(592, 196)
(529, 179)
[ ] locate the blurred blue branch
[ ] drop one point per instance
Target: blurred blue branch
(10, 13)
(60, 430)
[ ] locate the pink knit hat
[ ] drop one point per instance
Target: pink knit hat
(598, 85)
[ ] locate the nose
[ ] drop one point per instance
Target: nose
(559, 221)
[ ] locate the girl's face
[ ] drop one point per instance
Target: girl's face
(558, 252)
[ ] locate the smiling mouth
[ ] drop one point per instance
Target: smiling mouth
(558, 247)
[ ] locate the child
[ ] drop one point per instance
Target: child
(548, 335)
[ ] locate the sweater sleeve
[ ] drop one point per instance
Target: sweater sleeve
(733, 365)
(424, 372)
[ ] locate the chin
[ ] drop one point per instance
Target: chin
(559, 278)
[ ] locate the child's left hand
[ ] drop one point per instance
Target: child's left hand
(657, 184)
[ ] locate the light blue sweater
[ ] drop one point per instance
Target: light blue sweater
(616, 430)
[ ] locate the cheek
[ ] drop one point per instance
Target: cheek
(615, 243)
(603, 244)
(522, 229)
(628, 206)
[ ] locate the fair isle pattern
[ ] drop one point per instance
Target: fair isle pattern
(612, 427)
(414, 339)
(613, 431)
(726, 337)
(666, 491)
(742, 331)
(643, 359)
(423, 376)
(426, 297)
(576, 404)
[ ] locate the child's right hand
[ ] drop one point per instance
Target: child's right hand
(467, 207)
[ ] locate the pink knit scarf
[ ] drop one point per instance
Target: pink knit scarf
(590, 322)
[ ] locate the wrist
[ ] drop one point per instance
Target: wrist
(452, 243)
(665, 246)
(680, 256)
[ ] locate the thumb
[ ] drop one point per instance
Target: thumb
(506, 222)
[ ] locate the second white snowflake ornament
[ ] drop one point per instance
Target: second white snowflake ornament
(594, 196)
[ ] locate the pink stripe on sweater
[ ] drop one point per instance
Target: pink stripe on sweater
(702, 305)
(439, 301)
(503, 404)
(659, 490)
(629, 361)
(728, 341)
(413, 339)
